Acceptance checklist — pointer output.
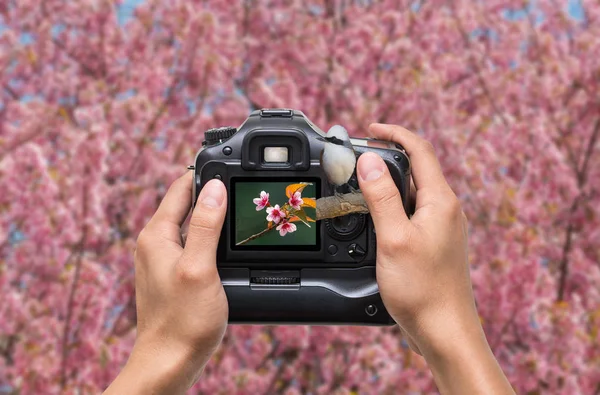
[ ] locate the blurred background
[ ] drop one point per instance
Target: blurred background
(104, 102)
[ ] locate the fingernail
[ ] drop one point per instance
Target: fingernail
(370, 166)
(213, 193)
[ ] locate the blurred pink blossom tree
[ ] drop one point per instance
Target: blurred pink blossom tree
(98, 115)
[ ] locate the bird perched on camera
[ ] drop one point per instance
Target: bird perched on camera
(338, 159)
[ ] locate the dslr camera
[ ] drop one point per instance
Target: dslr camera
(280, 262)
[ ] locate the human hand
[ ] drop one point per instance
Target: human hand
(181, 305)
(422, 267)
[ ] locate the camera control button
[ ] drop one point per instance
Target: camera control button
(218, 176)
(276, 112)
(346, 227)
(356, 251)
(332, 249)
(371, 310)
(217, 135)
(198, 183)
(227, 151)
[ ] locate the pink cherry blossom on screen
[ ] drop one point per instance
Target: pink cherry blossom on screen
(296, 201)
(262, 201)
(275, 214)
(286, 227)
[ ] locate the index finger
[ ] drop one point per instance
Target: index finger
(173, 209)
(426, 169)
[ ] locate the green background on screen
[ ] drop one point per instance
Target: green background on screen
(248, 221)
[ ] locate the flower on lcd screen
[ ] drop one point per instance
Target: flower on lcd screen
(262, 201)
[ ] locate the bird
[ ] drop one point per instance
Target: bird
(338, 158)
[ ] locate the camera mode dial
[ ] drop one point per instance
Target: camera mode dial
(346, 227)
(216, 135)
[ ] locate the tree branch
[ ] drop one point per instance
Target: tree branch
(67, 327)
(581, 181)
(329, 207)
(337, 206)
(71, 298)
(255, 236)
(583, 172)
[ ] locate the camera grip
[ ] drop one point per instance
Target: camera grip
(398, 165)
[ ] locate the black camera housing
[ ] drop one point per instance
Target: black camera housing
(331, 282)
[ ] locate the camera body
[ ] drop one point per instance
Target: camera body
(278, 263)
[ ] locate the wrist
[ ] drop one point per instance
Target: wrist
(447, 333)
(459, 356)
(158, 369)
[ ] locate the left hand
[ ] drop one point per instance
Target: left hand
(181, 305)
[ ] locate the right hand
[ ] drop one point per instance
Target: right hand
(423, 269)
(422, 265)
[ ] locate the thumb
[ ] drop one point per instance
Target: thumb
(381, 194)
(206, 223)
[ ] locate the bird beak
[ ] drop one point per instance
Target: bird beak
(321, 139)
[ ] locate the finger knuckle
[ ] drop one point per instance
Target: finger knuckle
(427, 147)
(144, 240)
(464, 217)
(453, 207)
(192, 273)
(185, 275)
(385, 196)
(179, 183)
(388, 246)
(391, 242)
(205, 223)
(394, 131)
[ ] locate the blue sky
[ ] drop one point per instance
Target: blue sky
(125, 11)
(575, 9)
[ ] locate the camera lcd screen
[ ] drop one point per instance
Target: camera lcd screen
(276, 214)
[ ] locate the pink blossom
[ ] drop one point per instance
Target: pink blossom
(296, 201)
(276, 214)
(262, 201)
(286, 227)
